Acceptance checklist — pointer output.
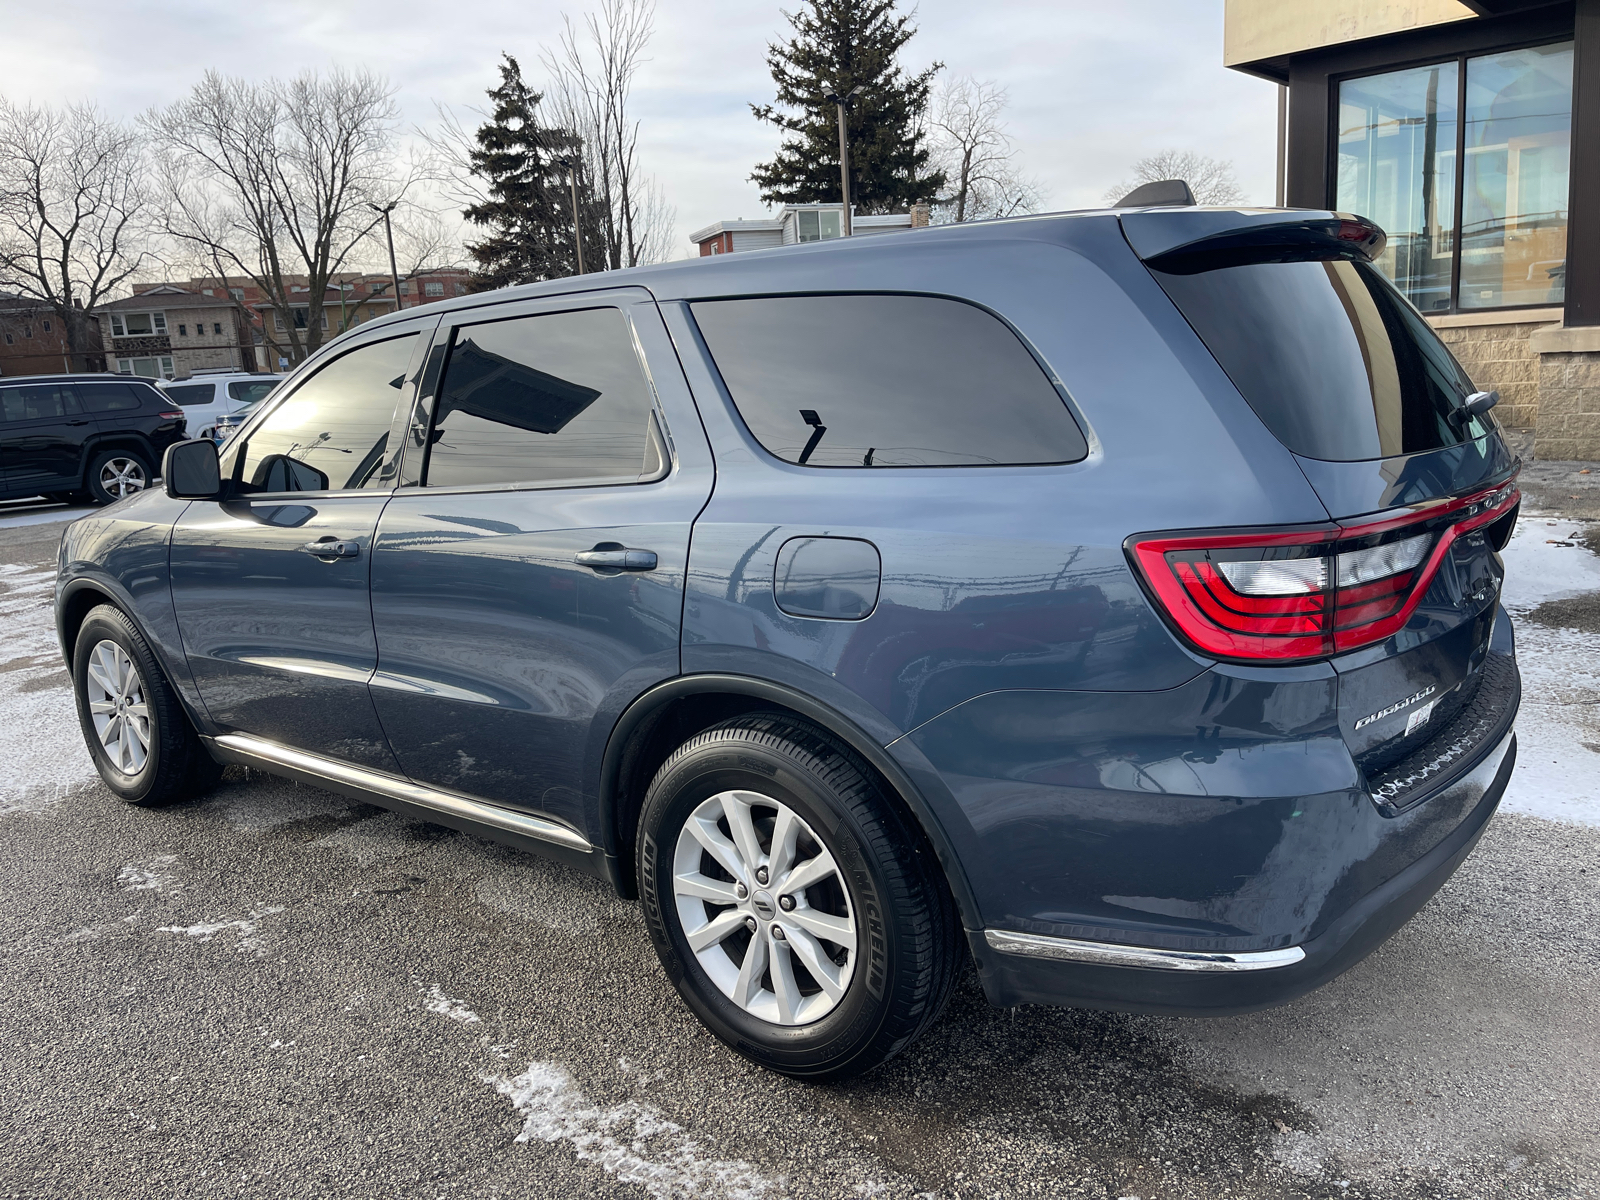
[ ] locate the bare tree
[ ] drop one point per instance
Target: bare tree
(73, 213)
(971, 146)
(1210, 179)
(274, 182)
(591, 79)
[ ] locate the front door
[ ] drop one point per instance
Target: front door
(43, 432)
(531, 584)
(270, 586)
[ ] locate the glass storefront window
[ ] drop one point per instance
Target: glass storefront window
(1397, 155)
(1399, 145)
(1514, 208)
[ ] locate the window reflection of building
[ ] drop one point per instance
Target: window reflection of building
(1401, 144)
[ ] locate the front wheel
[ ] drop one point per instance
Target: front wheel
(133, 723)
(792, 905)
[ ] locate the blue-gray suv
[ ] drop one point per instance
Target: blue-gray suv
(1109, 597)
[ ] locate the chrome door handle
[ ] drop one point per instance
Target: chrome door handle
(613, 556)
(331, 547)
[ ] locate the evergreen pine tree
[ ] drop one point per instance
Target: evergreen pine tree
(839, 44)
(528, 214)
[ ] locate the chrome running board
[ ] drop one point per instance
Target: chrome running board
(1109, 954)
(480, 812)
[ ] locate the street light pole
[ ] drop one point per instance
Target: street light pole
(842, 101)
(571, 163)
(388, 233)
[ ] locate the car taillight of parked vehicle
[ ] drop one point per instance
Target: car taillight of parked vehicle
(1309, 592)
(171, 416)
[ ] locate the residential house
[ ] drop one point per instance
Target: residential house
(796, 223)
(169, 332)
(1469, 130)
(33, 342)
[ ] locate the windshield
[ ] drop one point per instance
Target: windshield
(1331, 357)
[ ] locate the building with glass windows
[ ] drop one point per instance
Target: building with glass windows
(795, 223)
(1470, 131)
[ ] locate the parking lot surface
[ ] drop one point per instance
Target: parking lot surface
(277, 992)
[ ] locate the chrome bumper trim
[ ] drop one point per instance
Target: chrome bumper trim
(1109, 954)
(480, 811)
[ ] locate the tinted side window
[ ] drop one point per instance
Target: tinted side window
(333, 430)
(193, 393)
(248, 391)
(37, 402)
(110, 397)
(886, 381)
(547, 399)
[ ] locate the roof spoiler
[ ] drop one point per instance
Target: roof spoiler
(1188, 243)
(1163, 193)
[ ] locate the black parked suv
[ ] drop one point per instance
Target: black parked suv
(82, 437)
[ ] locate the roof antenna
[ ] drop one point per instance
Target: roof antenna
(1163, 193)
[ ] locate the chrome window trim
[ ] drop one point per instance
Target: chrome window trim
(1109, 954)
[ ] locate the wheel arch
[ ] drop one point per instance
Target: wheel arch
(663, 718)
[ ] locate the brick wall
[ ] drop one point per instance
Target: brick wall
(1499, 359)
(1569, 406)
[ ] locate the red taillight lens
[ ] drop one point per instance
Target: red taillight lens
(1306, 593)
(170, 416)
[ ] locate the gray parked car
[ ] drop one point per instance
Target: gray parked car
(1108, 598)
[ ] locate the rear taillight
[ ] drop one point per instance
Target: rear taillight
(170, 416)
(1307, 592)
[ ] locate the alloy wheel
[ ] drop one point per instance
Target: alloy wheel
(121, 476)
(764, 908)
(118, 705)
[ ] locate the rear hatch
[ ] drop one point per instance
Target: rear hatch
(1421, 494)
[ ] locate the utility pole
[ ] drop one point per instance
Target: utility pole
(1283, 144)
(388, 233)
(571, 163)
(843, 102)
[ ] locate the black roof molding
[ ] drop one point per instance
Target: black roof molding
(1501, 8)
(1163, 193)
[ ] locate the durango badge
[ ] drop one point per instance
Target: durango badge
(1396, 707)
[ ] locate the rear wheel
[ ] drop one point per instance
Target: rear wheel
(133, 723)
(114, 474)
(793, 908)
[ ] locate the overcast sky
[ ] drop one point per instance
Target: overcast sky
(1093, 87)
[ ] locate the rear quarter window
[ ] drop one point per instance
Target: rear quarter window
(190, 394)
(886, 381)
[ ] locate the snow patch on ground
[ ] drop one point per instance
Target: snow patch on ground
(151, 875)
(46, 760)
(437, 1002)
(1558, 728)
(630, 1140)
(247, 928)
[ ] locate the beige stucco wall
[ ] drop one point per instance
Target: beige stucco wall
(1259, 29)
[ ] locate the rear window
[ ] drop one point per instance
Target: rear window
(191, 394)
(1331, 357)
(111, 397)
(886, 381)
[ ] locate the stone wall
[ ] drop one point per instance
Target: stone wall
(1569, 406)
(1499, 358)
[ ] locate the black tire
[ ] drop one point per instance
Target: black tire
(909, 946)
(175, 764)
(136, 465)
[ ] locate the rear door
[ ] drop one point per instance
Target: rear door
(1348, 376)
(528, 582)
(271, 586)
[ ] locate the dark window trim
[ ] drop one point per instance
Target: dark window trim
(1091, 444)
(1331, 166)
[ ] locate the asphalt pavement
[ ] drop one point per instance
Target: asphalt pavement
(274, 991)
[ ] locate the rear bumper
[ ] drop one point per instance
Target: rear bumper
(1061, 971)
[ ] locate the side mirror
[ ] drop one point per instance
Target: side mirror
(191, 471)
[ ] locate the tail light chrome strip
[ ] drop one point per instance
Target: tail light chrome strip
(1109, 954)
